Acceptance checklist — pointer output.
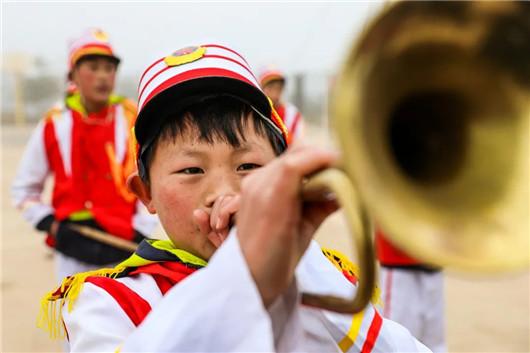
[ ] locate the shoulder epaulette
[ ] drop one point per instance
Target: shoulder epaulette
(349, 270)
(50, 316)
(53, 112)
(129, 106)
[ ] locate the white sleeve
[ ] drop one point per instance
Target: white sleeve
(143, 221)
(316, 274)
(28, 184)
(217, 309)
(286, 321)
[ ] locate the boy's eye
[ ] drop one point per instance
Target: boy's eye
(248, 166)
(109, 68)
(93, 66)
(192, 170)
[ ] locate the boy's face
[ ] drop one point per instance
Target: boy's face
(274, 90)
(95, 77)
(187, 174)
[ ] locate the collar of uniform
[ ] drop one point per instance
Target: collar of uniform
(150, 251)
(73, 102)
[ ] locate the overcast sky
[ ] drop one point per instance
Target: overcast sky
(296, 36)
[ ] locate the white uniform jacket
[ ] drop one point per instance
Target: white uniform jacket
(219, 309)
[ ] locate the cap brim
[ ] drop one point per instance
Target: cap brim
(114, 58)
(268, 79)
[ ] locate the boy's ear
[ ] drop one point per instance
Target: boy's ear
(141, 189)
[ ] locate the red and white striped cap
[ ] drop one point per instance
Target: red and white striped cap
(93, 41)
(174, 81)
(269, 74)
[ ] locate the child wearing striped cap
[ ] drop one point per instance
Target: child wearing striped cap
(239, 251)
(85, 142)
(272, 81)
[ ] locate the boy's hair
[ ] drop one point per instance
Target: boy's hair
(218, 118)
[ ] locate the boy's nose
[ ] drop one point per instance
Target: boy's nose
(102, 75)
(221, 188)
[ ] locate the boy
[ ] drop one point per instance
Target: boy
(272, 82)
(85, 143)
(203, 125)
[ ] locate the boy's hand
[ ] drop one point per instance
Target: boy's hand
(274, 226)
(216, 222)
(54, 228)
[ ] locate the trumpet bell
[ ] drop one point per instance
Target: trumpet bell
(432, 113)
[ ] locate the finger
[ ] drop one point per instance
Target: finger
(306, 160)
(202, 220)
(226, 213)
(214, 215)
(215, 239)
(316, 212)
(223, 234)
(54, 228)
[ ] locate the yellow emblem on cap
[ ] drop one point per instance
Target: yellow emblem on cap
(184, 56)
(100, 35)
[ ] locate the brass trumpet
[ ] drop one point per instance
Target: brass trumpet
(432, 111)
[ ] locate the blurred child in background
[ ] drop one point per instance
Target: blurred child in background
(273, 82)
(85, 143)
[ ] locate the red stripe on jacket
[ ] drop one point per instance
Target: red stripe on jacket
(132, 304)
(373, 332)
(165, 274)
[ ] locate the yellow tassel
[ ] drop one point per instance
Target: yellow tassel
(50, 317)
(343, 264)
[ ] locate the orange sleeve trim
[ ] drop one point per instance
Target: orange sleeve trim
(118, 173)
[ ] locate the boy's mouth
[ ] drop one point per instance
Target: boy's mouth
(102, 89)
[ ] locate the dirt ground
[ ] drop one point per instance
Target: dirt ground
(486, 314)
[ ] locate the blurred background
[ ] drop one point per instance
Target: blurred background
(308, 41)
